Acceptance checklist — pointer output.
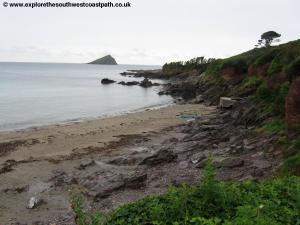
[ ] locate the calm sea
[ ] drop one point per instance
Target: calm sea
(36, 94)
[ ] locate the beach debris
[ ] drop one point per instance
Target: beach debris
(188, 117)
(226, 102)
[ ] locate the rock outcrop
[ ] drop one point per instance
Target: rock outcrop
(129, 83)
(162, 156)
(146, 83)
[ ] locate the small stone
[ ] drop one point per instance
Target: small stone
(201, 164)
(198, 157)
(183, 165)
(85, 164)
(34, 202)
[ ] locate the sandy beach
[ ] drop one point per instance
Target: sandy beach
(32, 159)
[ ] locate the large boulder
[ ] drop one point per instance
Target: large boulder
(107, 81)
(292, 105)
(146, 83)
(229, 163)
(162, 156)
(110, 183)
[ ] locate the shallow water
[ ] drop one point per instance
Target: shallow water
(36, 94)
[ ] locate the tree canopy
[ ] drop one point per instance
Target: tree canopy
(267, 38)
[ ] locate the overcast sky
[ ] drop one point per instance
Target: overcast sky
(150, 32)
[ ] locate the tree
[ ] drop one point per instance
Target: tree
(268, 38)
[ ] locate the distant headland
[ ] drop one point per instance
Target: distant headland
(106, 60)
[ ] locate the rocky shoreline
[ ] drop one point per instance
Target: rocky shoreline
(135, 166)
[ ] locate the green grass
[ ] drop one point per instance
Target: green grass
(291, 165)
(211, 202)
(293, 68)
(272, 101)
(276, 126)
(251, 82)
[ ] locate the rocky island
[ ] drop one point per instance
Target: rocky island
(106, 60)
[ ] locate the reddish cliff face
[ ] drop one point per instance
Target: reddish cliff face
(273, 81)
(258, 71)
(232, 75)
(293, 107)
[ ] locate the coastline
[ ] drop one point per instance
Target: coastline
(85, 119)
(35, 160)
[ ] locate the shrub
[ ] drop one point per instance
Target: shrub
(214, 68)
(291, 165)
(266, 57)
(251, 82)
(83, 217)
(239, 64)
(281, 94)
(293, 69)
(276, 65)
(264, 93)
(199, 63)
(275, 126)
(178, 66)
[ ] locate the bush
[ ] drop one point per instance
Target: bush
(276, 65)
(291, 165)
(239, 64)
(200, 64)
(178, 66)
(264, 93)
(281, 94)
(251, 82)
(293, 69)
(266, 57)
(212, 202)
(277, 126)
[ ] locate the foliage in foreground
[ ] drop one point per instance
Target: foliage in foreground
(212, 202)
